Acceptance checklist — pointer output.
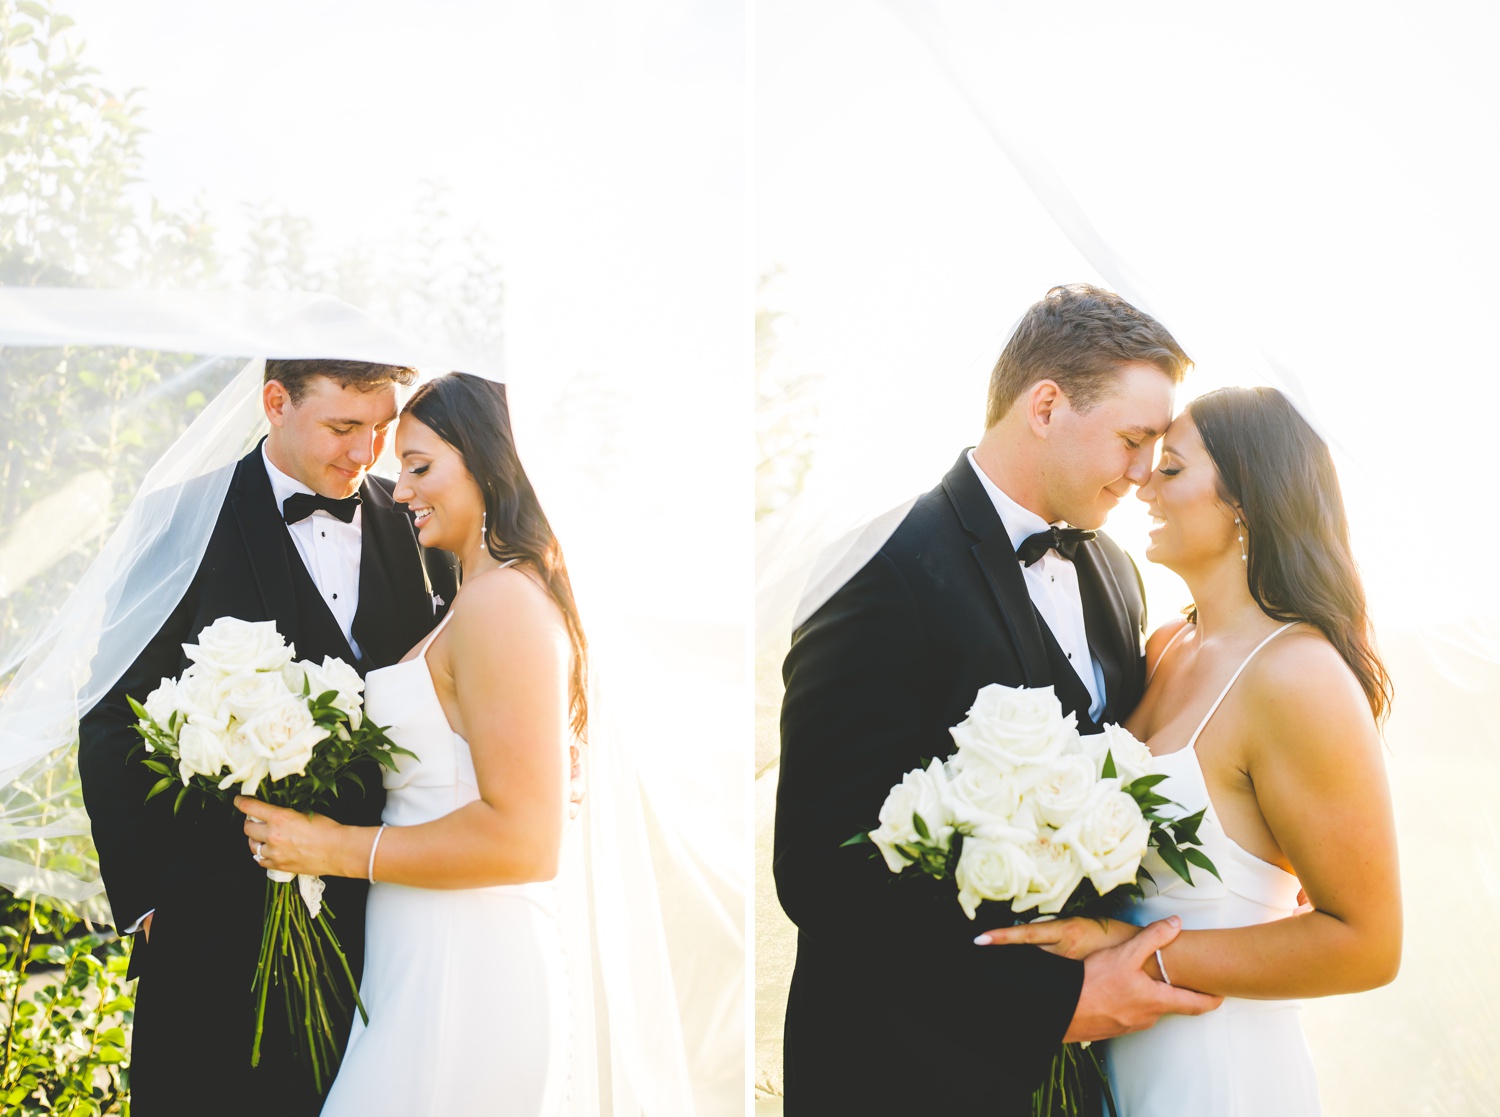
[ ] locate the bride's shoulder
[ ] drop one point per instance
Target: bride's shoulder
(1300, 676)
(511, 600)
(1158, 642)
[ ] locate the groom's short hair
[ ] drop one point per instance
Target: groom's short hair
(296, 375)
(1079, 335)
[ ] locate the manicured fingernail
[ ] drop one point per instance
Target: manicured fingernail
(1174, 920)
(982, 940)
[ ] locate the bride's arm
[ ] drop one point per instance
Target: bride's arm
(1319, 779)
(510, 660)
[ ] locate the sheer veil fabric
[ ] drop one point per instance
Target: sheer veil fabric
(1295, 206)
(652, 927)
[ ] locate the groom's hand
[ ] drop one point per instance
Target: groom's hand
(1119, 996)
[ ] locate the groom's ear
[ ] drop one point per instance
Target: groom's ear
(275, 399)
(1043, 400)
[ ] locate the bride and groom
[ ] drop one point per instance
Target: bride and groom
(458, 611)
(1261, 706)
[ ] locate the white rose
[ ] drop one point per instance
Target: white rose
(199, 696)
(1064, 789)
(202, 751)
(336, 675)
(161, 703)
(252, 692)
(1056, 873)
(247, 764)
(1110, 836)
(920, 792)
(982, 796)
(1132, 759)
(991, 869)
(233, 646)
(1011, 727)
(277, 742)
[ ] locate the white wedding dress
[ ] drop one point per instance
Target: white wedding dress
(467, 989)
(1248, 1058)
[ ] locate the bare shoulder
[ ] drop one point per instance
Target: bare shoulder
(1300, 685)
(507, 603)
(1156, 644)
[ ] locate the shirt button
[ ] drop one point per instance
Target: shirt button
(324, 534)
(336, 597)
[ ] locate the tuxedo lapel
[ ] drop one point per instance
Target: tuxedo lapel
(1111, 638)
(1001, 569)
(1071, 692)
(395, 598)
(264, 533)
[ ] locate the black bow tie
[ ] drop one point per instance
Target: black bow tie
(1063, 540)
(299, 506)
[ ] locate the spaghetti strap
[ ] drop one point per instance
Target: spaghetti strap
(1193, 740)
(1180, 630)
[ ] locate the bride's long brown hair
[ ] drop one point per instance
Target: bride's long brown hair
(1274, 467)
(471, 415)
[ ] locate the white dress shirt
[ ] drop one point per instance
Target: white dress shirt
(329, 549)
(1052, 582)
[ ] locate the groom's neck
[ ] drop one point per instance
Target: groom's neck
(1003, 456)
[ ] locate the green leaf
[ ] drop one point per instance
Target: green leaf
(109, 1054)
(921, 827)
(1175, 861)
(1201, 859)
(1110, 771)
(858, 839)
(181, 795)
(160, 786)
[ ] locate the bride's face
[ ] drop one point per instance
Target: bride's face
(438, 488)
(1194, 527)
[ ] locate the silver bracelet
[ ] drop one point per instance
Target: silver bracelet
(370, 872)
(1162, 966)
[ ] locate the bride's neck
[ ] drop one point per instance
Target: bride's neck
(476, 560)
(1222, 598)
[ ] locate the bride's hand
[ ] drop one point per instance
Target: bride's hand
(294, 842)
(1072, 938)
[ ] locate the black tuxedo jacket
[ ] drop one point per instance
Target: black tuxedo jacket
(193, 1023)
(892, 1009)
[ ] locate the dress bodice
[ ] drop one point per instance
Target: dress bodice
(440, 778)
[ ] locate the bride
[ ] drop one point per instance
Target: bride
(465, 977)
(1261, 707)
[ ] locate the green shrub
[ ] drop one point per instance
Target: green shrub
(66, 1014)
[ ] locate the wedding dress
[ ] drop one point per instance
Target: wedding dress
(467, 989)
(1248, 1058)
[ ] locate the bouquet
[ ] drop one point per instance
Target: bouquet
(1030, 813)
(245, 712)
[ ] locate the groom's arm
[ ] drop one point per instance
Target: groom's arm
(854, 719)
(132, 836)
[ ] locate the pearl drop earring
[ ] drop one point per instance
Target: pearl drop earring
(484, 527)
(1240, 535)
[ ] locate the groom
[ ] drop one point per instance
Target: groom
(308, 539)
(892, 1008)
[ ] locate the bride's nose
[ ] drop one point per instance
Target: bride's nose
(402, 493)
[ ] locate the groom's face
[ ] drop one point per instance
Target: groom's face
(332, 436)
(1096, 456)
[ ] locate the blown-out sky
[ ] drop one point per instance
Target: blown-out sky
(600, 146)
(1302, 194)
